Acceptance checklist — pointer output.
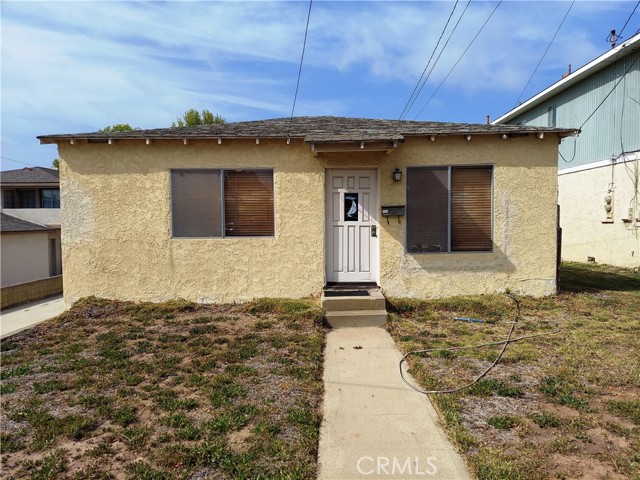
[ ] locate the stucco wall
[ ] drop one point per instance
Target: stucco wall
(581, 197)
(117, 231)
(25, 256)
(524, 231)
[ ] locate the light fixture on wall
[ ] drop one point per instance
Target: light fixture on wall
(397, 175)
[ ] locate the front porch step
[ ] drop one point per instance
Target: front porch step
(356, 318)
(364, 308)
(374, 301)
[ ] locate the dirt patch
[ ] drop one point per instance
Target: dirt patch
(581, 467)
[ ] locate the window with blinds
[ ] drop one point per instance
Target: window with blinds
(428, 209)
(222, 203)
(471, 209)
(248, 203)
(449, 209)
(195, 203)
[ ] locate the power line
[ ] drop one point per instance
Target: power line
(545, 52)
(623, 77)
(18, 161)
(406, 106)
(610, 92)
(426, 79)
(458, 61)
(628, 19)
(304, 46)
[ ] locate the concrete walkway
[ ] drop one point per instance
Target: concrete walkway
(374, 425)
(14, 320)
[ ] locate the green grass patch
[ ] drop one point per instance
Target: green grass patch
(580, 277)
(486, 387)
(49, 386)
(48, 467)
(503, 422)
(7, 388)
(166, 310)
(545, 420)
(18, 371)
(625, 408)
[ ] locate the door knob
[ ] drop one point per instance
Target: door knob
(374, 231)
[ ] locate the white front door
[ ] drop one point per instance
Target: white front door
(352, 229)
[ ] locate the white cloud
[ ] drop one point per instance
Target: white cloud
(77, 66)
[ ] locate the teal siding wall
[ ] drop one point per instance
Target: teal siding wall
(613, 129)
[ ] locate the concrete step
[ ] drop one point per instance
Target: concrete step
(375, 301)
(356, 318)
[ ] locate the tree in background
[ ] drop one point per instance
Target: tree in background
(56, 163)
(118, 127)
(193, 117)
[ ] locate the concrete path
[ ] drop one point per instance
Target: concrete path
(14, 320)
(374, 425)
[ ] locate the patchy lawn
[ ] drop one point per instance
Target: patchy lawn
(159, 391)
(564, 405)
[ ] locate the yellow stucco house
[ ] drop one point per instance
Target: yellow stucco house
(284, 207)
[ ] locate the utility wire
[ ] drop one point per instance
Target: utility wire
(426, 79)
(406, 106)
(610, 92)
(18, 161)
(458, 61)
(597, 108)
(545, 52)
(628, 19)
(304, 46)
(504, 344)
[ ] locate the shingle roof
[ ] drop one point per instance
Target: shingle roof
(314, 130)
(9, 223)
(30, 175)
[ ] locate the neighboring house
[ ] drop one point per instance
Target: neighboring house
(30, 227)
(29, 250)
(283, 207)
(598, 177)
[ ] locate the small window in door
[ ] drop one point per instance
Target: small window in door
(350, 207)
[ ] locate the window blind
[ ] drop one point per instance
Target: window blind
(427, 209)
(248, 203)
(471, 209)
(196, 203)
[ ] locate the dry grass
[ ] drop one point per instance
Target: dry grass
(558, 406)
(161, 391)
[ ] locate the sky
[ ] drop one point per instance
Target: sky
(78, 66)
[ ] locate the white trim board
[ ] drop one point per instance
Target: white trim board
(627, 157)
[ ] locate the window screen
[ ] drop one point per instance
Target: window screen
(427, 209)
(449, 209)
(248, 203)
(196, 203)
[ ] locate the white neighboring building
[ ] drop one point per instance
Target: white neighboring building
(29, 225)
